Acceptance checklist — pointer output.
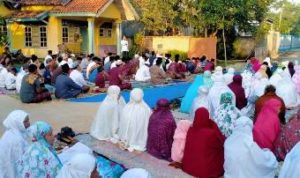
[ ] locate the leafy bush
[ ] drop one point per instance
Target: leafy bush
(183, 55)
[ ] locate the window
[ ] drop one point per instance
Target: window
(106, 30)
(43, 36)
(28, 37)
(65, 35)
(3, 30)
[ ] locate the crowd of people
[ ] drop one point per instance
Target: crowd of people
(250, 119)
(244, 119)
(67, 75)
(27, 151)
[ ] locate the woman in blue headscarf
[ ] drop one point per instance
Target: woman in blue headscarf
(40, 159)
(191, 93)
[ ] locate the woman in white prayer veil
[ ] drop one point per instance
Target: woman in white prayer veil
(291, 165)
(143, 73)
(243, 157)
(134, 122)
(200, 101)
(228, 77)
(276, 77)
(214, 96)
(106, 122)
(259, 85)
(218, 71)
(136, 173)
(80, 166)
(286, 89)
(13, 143)
(247, 82)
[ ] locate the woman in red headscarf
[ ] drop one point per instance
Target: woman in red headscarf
(204, 151)
(237, 88)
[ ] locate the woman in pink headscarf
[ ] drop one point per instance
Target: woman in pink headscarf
(179, 140)
(255, 64)
(296, 78)
(267, 126)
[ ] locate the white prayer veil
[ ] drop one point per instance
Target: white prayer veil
(80, 166)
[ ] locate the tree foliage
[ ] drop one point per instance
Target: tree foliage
(205, 17)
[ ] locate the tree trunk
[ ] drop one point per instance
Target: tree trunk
(225, 51)
(205, 32)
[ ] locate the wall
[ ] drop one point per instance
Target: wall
(3, 10)
(194, 47)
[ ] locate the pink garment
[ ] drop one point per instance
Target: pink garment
(296, 78)
(255, 64)
(179, 140)
(267, 126)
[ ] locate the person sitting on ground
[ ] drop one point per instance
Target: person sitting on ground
(136, 173)
(268, 70)
(13, 142)
(133, 131)
(241, 150)
(214, 95)
(116, 77)
(226, 114)
(10, 80)
(47, 75)
(49, 56)
(210, 66)
(32, 90)
(77, 76)
(289, 136)
(228, 77)
(40, 158)
(3, 74)
(174, 70)
(296, 78)
(204, 157)
(57, 71)
(101, 78)
(237, 88)
(287, 90)
(93, 70)
(107, 58)
(92, 65)
(80, 166)
(20, 76)
(270, 93)
(84, 64)
(106, 123)
(66, 87)
(291, 68)
(291, 165)
(161, 130)
(179, 140)
(200, 101)
(158, 76)
(143, 73)
(107, 65)
(267, 126)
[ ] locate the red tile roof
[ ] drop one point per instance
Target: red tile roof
(42, 2)
(25, 14)
(92, 6)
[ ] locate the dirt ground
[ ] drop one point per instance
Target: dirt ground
(57, 113)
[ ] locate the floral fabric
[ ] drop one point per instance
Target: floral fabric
(226, 114)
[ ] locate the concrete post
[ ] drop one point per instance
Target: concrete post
(91, 35)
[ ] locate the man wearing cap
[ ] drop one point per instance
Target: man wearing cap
(116, 76)
(76, 75)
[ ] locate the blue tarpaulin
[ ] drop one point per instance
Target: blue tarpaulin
(151, 95)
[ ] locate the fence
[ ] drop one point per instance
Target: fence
(289, 42)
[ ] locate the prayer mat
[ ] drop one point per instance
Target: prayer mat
(151, 94)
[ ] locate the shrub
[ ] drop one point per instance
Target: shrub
(183, 55)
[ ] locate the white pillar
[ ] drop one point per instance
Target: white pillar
(91, 35)
(119, 37)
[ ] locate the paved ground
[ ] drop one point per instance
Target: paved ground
(57, 113)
